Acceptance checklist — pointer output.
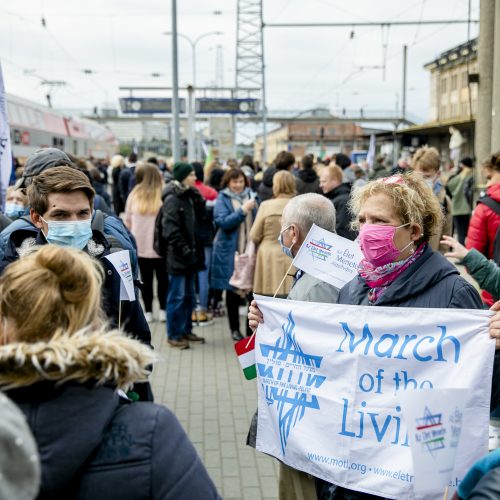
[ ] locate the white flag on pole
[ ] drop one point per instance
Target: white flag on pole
(121, 262)
(434, 420)
(328, 257)
(5, 146)
(370, 157)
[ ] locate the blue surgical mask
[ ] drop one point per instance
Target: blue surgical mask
(286, 250)
(13, 210)
(74, 234)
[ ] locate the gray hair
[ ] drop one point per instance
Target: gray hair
(308, 209)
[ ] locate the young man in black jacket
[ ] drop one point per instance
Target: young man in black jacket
(183, 209)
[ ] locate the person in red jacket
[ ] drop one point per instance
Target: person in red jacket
(486, 216)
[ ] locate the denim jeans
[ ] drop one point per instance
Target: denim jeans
(180, 304)
(203, 282)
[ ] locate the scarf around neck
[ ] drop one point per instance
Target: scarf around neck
(379, 278)
(241, 197)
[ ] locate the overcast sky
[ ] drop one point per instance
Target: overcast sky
(121, 42)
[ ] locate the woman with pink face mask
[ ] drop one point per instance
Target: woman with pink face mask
(396, 218)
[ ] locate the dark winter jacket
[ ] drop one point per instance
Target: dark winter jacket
(431, 281)
(118, 204)
(340, 198)
(94, 443)
(227, 221)
(132, 315)
(181, 212)
(123, 182)
(265, 190)
(307, 181)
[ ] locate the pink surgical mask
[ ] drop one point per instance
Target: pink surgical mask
(377, 243)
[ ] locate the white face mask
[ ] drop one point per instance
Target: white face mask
(69, 233)
(430, 183)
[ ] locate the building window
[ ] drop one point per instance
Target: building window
(443, 85)
(312, 131)
(454, 110)
(442, 114)
(454, 82)
(465, 79)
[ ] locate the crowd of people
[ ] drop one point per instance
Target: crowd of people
(204, 238)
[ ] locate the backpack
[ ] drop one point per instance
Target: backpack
(469, 190)
(495, 206)
(159, 244)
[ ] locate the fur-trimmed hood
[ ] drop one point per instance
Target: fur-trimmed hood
(99, 356)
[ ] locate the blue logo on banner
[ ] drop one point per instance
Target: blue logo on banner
(319, 249)
(287, 379)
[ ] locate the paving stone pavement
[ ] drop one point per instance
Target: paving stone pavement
(204, 386)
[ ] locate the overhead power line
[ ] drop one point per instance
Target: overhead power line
(368, 23)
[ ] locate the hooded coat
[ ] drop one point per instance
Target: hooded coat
(307, 181)
(182, 211)
(265, 190)
(340, 197)
(94, 443)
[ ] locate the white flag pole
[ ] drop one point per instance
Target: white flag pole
(5, 145)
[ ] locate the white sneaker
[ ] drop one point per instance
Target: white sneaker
(162, 316)
(149, 317)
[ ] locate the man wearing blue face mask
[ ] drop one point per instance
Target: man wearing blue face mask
(61, 201)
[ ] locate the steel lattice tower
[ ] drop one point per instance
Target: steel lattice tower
(250, 55)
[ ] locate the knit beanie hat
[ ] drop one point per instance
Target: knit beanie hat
(467, 161)
(181, 171)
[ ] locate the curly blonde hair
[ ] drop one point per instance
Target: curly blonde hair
(413, 202)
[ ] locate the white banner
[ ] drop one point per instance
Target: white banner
(5, 146)
(330, 378)
(328, 257)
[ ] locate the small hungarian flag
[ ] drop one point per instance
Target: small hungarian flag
(245, 350)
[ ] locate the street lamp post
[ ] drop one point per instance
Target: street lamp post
(193, 151)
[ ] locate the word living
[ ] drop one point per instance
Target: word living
(288, 378)
(392, 345)
(383, 426)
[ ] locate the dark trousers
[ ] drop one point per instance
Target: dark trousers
(461, 223)
(233, 302)
(150, 267)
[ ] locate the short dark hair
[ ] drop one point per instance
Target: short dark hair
(198, 170)
(132, 157)
(284, 160)
(231, 174)
(57, 180)
(307, 162)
